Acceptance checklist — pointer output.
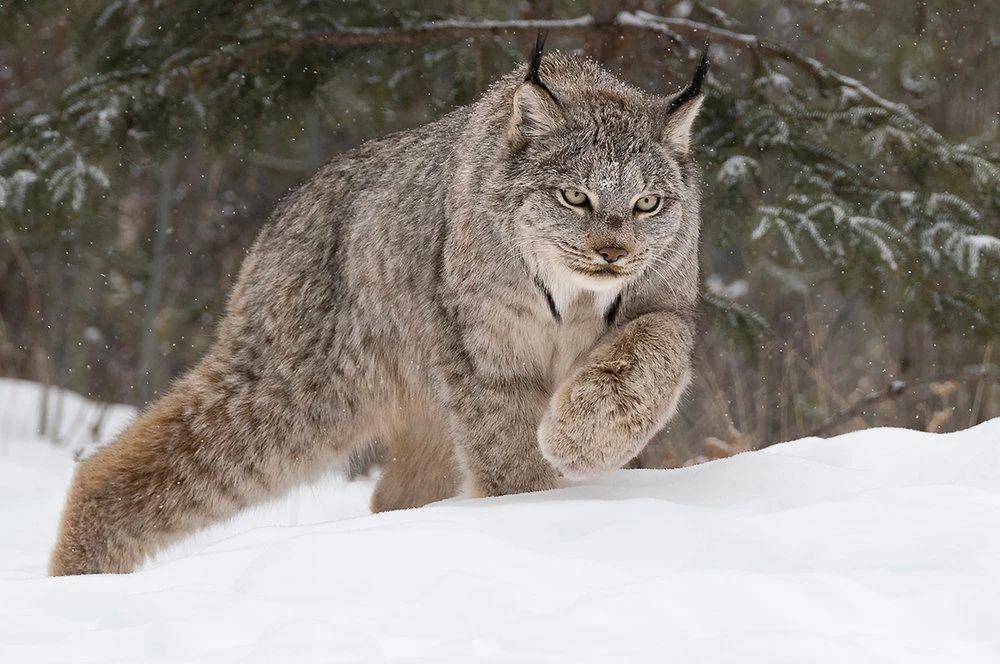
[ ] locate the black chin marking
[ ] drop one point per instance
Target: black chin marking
(548, 299)
(612, 312)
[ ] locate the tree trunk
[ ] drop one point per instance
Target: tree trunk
(154, 289)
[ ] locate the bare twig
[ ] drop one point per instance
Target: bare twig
(354, 36)
(897, 388)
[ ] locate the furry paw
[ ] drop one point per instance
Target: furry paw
(596, 421)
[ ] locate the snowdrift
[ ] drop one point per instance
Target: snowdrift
(878, 546)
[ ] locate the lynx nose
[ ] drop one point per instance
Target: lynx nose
(612, 254)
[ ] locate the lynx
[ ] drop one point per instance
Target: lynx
(504, 297)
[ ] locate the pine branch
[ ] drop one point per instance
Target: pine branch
(815, 68)
(342, 36)
(837, 159)
(674, 28)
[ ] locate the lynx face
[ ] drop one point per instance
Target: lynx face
(596, 174)
(606, 200)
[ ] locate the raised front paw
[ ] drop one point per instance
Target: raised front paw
(597, 420)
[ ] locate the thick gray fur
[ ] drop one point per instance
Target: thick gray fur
(432, 290)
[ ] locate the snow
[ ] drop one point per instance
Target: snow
(736, 169)
(878, 546)
(71, 419)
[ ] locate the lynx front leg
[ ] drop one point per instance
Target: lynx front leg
(495, 423)
(625, 391)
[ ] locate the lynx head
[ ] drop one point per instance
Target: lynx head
(598, 173)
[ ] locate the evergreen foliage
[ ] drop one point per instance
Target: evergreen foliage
(810, 174)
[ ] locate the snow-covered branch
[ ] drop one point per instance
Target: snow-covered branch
(704, 31)
(348, 36)
(676, 29)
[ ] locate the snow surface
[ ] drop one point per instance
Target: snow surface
(878, 546)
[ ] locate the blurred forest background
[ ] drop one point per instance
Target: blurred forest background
(850, 258)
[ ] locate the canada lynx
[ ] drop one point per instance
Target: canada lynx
(504, 297)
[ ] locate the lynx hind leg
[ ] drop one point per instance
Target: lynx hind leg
(418, 467)
(193, 458)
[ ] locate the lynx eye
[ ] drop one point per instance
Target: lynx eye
(574, 197)
(647, 203)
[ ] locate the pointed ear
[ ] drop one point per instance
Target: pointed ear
(536, 111)
(682, 109)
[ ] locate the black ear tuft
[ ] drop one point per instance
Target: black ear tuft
(682, 109)
(536, 60)
(693, 88)
(536, 111)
